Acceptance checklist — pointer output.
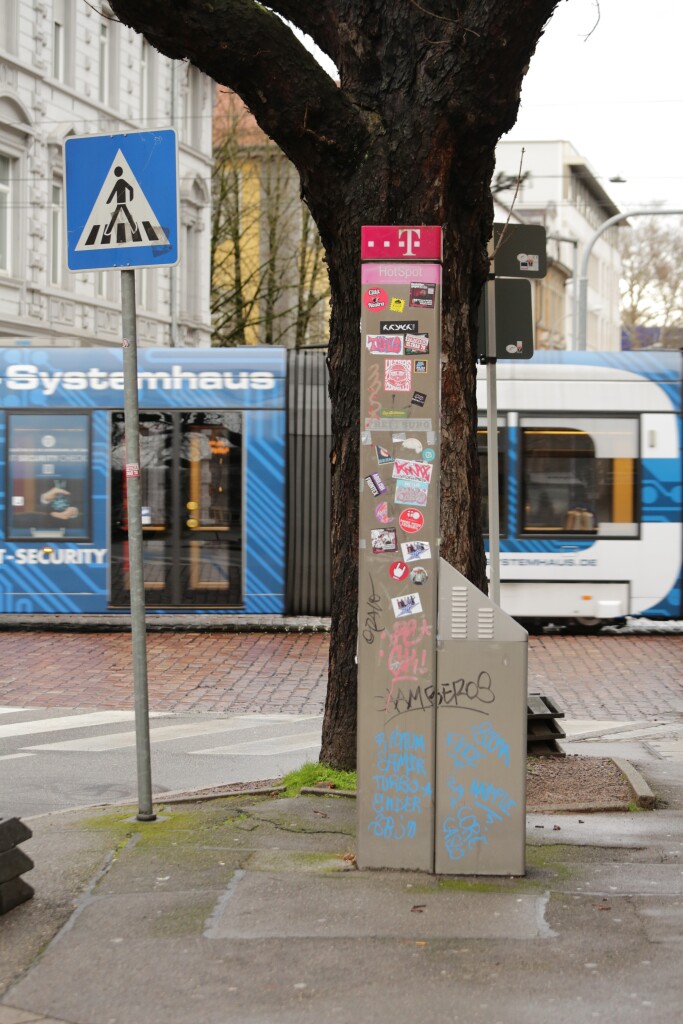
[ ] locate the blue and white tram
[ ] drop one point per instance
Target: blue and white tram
(235, 478)
(590, 485)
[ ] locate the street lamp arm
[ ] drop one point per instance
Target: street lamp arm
(583, 278)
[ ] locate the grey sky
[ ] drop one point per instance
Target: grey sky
(617, 96)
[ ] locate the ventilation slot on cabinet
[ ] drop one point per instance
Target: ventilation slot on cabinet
(459, 613)
(485, 624)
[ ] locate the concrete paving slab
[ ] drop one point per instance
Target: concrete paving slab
(638, 829)
(146, 871)
(581, 976)
(583, 728)
(632, 750)
(621, 879)
(369, 906)
(65, 864)
(662, 919)
(10, 1015)
(670, 748)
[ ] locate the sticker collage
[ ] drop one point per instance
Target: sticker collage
(399, 442)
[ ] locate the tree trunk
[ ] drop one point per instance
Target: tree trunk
(408, 137)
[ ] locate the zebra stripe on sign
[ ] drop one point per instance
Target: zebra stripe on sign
(122, 215)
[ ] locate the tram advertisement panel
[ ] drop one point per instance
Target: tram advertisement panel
(48, 467)
(398, 558)
(213, 454)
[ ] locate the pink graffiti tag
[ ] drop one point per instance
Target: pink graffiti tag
(406, 656)
(374, 388)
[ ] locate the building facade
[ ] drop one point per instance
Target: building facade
(558, 189)
(269, 278)
(70, 68)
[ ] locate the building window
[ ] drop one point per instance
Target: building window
(8, 26)
(103, 83)
(63, 40)
(190, 267)
(141, 289)
(191, 108)
(56, 233)
(5, 214)
(147, 81)
(58, 39)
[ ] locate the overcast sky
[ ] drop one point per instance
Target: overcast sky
(617, 96)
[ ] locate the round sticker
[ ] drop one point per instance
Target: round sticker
(411, 520)
(418, 575)
(375, 298)
(428, 454)
(398, 571)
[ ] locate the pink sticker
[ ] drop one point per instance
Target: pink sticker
(132, 469)
(375, 298)
(382, 513)
(397, 374)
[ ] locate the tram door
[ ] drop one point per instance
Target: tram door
(191, 475)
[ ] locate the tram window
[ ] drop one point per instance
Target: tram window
(191, 497)
(482, 443)
(578, 476)
(49, 475)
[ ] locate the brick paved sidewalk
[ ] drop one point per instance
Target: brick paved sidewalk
(604, 677)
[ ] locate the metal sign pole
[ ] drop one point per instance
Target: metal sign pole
(135, 557)
(492, 444)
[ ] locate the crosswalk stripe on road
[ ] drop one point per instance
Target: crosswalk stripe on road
(277, 743)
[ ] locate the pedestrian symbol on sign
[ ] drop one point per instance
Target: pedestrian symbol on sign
(122, 215)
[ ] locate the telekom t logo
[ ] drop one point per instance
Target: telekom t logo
(408, 234)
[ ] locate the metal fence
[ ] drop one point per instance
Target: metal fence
(308, 484)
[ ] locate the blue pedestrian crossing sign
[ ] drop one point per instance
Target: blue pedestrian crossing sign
(121, 200)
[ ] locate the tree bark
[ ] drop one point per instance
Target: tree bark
(426, 90)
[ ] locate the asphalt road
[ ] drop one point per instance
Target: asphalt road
(52, 760)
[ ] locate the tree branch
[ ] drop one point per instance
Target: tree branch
(317, 18)
(248, 48)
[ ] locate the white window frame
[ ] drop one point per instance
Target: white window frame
(63, 41)
(57, 50)
(8, 27)
(7, 200)
(56, 233)
(104, 45)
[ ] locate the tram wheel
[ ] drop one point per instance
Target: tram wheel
(589, 626)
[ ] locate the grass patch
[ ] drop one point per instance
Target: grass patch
(312, 773)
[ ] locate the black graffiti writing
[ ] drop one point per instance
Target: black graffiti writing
(373, 612)
(459, 693)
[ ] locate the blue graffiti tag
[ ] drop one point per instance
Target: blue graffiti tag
(400, 784)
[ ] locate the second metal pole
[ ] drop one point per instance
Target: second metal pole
(135, 553)
(492, 453)
(492, 443)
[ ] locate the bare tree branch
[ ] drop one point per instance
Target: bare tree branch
(247, 47)
(317, 19)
